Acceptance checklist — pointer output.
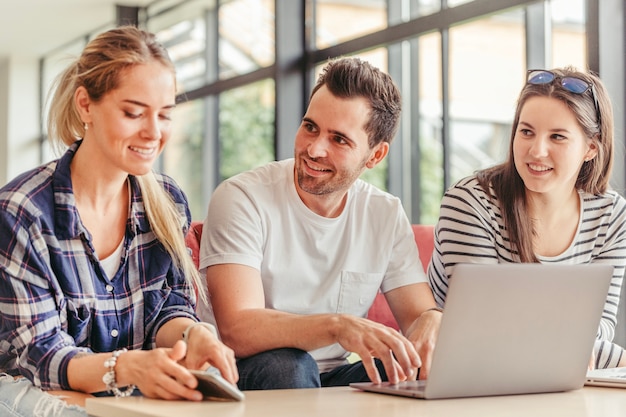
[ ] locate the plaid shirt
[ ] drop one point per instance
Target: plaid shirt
(55, 298)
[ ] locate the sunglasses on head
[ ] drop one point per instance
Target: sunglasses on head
(572, 84)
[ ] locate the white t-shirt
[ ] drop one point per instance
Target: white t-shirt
(311, 264)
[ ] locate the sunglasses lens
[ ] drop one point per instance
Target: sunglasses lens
(575, 85)
(540, 77)
(572, 84)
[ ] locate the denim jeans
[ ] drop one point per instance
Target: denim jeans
(20, 398)
(293, 368)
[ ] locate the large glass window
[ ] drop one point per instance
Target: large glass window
(483, 91)
(459, 79)
(245, 139)
(183, 31)
(480, 99)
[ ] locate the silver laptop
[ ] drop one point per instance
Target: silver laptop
(513, 329)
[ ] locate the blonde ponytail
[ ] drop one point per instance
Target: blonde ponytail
(166, 223)
(64, 123)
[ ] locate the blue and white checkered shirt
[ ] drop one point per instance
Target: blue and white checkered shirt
(55, 298)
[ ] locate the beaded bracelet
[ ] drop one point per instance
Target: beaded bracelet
(109, 378)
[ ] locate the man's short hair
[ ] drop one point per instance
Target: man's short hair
(353, 77)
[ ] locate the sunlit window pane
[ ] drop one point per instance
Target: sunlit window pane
(183, 155)
(246, 36)
(341, 20)
(483, 91)
(430, 141)
(426, 7)
(568, 33)
(183, 32)
(246, 126)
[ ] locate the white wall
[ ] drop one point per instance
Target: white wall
(4, 130)
(19, 116)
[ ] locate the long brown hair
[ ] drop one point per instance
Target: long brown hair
(594, 175)
(97, 69)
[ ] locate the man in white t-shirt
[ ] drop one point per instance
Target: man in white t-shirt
(296, 251)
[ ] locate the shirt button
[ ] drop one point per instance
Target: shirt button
(109, 288)
(114, 333)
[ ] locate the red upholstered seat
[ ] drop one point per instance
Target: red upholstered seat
(380, 311)
(193, 241)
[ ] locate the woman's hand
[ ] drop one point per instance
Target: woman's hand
(203, 348)
(157, 373)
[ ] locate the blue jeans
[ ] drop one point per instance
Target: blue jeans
(20, 398)
(294, 368)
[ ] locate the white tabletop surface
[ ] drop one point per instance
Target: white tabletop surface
(348, 402)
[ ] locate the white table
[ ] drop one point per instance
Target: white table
(347, 402)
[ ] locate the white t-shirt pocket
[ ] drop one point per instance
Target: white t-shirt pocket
(357, 292)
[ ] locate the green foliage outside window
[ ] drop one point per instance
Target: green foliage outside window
(377, 175)
(246, 128)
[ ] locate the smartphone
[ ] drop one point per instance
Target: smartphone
(213, 386)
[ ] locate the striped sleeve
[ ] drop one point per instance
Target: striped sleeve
(469, 230)
(602, 239)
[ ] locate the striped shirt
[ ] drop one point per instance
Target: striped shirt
(56, 300)
(471, 230)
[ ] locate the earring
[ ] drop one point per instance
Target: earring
(86, 126)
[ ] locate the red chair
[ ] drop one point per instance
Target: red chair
(380, 311)
(193, 241)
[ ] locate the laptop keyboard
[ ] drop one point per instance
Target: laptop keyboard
(408, 385)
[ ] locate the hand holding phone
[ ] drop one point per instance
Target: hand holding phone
(213, 386)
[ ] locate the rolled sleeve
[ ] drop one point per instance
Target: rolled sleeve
(34, 343)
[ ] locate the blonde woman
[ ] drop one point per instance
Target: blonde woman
(97, 286)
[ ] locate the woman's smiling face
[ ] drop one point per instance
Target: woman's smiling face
(131, 124)
(549, 146)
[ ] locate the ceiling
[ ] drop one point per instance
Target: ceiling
(31, 28)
